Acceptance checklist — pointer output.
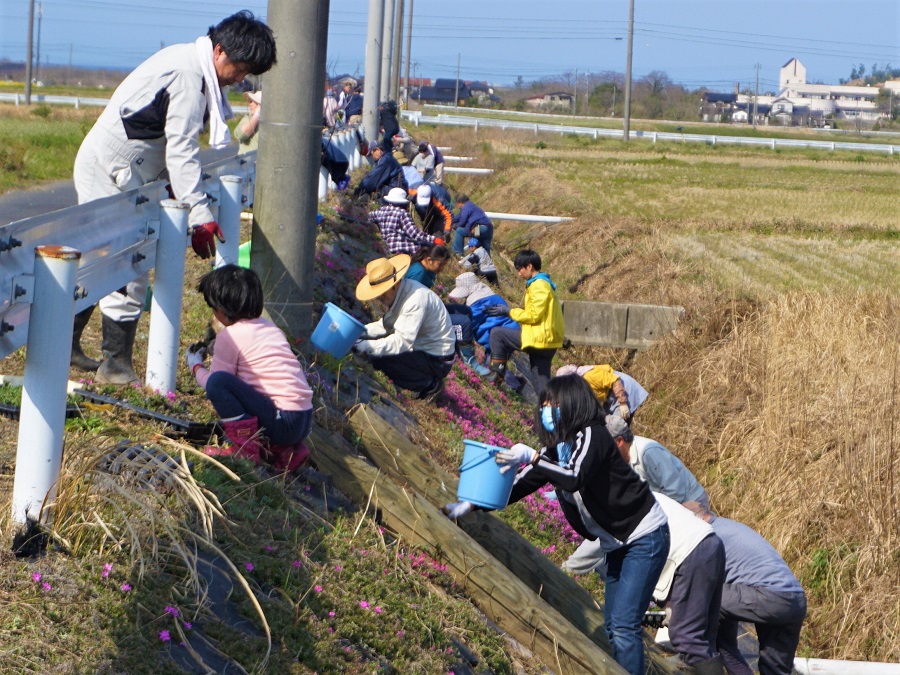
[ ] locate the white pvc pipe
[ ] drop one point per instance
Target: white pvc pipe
(459, 169)
(42, 415)
(229, 220)
(525, 217)
(456, 158)
(168, 291)
(835, 667)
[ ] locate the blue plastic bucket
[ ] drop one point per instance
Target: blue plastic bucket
(336, 332)
(480, 480)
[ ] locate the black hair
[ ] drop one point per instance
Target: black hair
(578, 408)
(527, 257)
(461, 199)
(435, 252)
(234, 291)
(245, 39)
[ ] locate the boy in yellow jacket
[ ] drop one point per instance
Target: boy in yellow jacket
(541, 327)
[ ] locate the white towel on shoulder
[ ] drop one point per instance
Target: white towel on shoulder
(217, 102)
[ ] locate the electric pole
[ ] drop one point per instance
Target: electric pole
(373, 70)
(398, 44)
(30, 52)
(626, 126)
(575, 98)
(756, 97)
(456, 97)
(408, 49)
(37, 59)
(387, 35)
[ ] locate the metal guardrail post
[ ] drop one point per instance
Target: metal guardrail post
(168, 291)
(43, 411)
(323, 184)
(230, 219)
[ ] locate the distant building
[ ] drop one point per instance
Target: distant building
(797, 102)
(445, 91)
(554, 99)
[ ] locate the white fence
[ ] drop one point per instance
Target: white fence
(534, 127)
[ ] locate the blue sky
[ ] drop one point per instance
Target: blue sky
(713, 43)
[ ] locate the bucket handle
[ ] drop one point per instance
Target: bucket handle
(478, 460)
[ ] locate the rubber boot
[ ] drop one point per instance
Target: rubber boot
(467, 352)
(713, 666)
(245, 437)
(288, 458)
(498, 373)
(118, 344)
(81, 360)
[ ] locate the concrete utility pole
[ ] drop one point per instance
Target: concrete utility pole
(456, 96)
(387, 41)
(398, 48)
(756, 97)
(290, 140)
(373, 70)
(30, 52)
(626, 126)
(408, 49)
(575, 97)
(37, 58)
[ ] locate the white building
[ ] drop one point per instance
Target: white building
(799, 102)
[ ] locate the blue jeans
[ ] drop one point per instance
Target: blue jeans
(232, 397)
(631, 575)
(484, 238)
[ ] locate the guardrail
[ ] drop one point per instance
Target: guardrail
(56, 264)
(78, 101)
(417, 118)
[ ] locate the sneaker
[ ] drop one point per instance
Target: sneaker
(432, 392)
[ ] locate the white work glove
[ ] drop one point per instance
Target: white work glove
(456, 510)
(194, 358)
(624, 411)
(515, 457)
(362, 347)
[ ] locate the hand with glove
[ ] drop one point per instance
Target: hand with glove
(456, 510)
(515, 457)
(439, 242)
(624, 411)
(361, 347)
(203, 239)
(195, 358)
(497, 310)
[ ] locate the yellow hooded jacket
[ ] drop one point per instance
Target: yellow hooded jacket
(541, 319)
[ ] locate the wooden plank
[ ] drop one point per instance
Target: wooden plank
(408, 464)
(499, 594)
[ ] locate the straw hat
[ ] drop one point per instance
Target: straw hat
(382, 274)
(255, 96)
(396, 196)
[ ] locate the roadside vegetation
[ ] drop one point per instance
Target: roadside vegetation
(779, 390)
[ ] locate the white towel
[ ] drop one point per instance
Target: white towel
(219, 108)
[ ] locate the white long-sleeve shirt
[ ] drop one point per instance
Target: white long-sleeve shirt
(417, 320)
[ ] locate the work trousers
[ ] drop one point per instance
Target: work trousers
(232, 397)
(778, 617)
(695, 601)
(416, 370)
(506, 340)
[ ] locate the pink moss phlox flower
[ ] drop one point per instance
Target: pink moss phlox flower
(364, 604)
(164, 636)
(269, 548)
(378, 609)
(297, 564)
(46, 586)
(330, 629)
(338, 568)
(188, 625)
(171, 395)
(317, 588)
(249, 566)
(107, 568)
(36, 577)
(401, 634)
(173, 611)
(125, 588)
(331, 613)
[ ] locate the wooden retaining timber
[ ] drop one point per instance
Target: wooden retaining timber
(407, 464)
(497, 592)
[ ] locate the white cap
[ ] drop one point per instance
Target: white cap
(423, 195)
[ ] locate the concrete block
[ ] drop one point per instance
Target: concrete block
(621, 325)
(601, 324)
(649, 323)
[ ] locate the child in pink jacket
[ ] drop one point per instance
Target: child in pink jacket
(254, 382)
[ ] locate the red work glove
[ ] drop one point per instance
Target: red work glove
(439, 242)
(202, 240)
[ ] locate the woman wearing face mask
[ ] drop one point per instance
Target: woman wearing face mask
(602, 498)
